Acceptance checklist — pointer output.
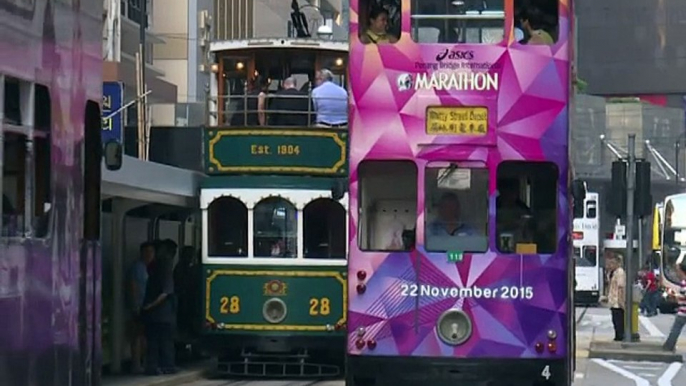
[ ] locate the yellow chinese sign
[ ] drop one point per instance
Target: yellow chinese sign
(451, 120)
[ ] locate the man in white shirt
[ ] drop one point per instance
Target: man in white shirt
(330, 101)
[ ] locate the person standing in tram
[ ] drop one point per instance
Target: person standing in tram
(330, 101)
(289, 106)
(377, 29)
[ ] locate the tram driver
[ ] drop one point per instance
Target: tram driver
(449, 221)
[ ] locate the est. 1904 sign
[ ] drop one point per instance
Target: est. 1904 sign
(292, 151)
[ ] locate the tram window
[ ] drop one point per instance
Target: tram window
(456, 212)
(577, 255)
(227, 224)
(526, 207)
(589, 256)
(450, 22)
(536, 21)
(379, 21)
(591, 209)
(275, 231)
(387, 205)
(324, 232)
(15, 196)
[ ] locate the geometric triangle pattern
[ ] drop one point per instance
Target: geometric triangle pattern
(522, 297)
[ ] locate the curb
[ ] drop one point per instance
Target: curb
(638, 352)
(176, 380)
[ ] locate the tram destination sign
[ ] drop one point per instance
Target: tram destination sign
(456, 120)
(277, 151)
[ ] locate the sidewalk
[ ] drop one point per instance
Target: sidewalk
(189, 374)
(603, 343)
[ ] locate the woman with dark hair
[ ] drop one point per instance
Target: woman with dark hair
(538, 25)
(377, 29)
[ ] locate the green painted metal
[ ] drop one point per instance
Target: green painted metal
(270, 150)
(271, 182)
(314, 296)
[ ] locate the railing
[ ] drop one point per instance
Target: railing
(282, 110)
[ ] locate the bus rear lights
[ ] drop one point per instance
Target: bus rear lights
(361, 288)
(539, 348)
(359, 344)
(552, 347)
(552, 335)
(361, 275)
(371, 344)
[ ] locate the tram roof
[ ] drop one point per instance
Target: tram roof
(279, 43)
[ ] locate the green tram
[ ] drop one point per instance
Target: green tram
(274, 218)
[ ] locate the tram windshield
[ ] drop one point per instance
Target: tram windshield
(275, 228)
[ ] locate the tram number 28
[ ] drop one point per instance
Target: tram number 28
(229, 305)
(320, 306)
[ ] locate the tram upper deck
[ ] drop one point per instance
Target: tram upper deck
(266, 107)
(248, 68)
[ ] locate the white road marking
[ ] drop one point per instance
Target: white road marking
(670, 373)
(637, 380)
(651, 327)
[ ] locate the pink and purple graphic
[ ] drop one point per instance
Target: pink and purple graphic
(514, 302)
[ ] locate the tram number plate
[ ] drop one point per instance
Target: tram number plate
(450, 120)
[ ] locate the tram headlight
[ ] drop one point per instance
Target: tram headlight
(454, 327)
(552, 334)
(274, 310)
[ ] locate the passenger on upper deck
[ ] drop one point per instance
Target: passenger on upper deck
(289, 106)
(330, 101)
(250, 109)
(538, 25)
(449, 223)
(376, 31)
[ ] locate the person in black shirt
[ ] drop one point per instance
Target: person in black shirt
(289, 106)
(159, 312)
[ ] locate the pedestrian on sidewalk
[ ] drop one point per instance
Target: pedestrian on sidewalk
(617, 292)
(680, 318)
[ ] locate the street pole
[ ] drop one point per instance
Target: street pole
(143, 105)
(629, 261)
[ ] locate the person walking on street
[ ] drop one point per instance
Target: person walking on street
(617, 293)
(680, 318)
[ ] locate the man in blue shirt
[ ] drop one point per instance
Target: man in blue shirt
(330, 101)
(448, 222)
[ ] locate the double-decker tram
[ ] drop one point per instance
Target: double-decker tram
(461, 268)
(672, 228)
(274, 208)
(51, 147)
(586, 242)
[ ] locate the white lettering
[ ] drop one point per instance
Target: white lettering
(464, 81)
(504, 292)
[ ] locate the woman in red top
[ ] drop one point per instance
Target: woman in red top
(650, 296)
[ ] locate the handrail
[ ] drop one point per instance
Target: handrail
(227, 114)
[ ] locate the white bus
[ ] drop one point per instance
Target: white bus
(586, 243)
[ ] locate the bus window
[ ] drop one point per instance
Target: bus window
(456, 211)
(275, 228)
(589, 257)
(227, 224)
(526, 207)
(324, 233)
(591, 209)
(450, 22)
(536, 21)
(379, 21)
(387, 205)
